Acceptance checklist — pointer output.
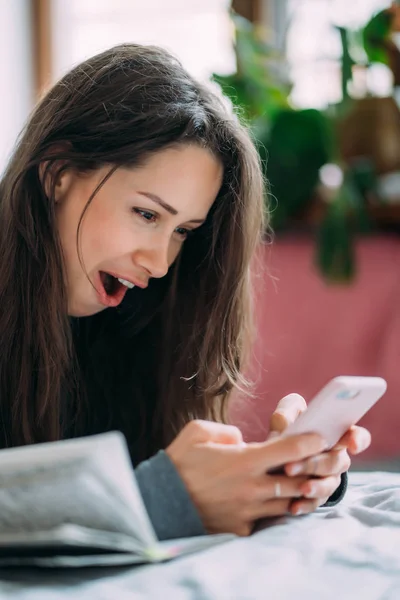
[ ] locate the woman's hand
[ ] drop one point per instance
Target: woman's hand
(324, 468)
(227, 479)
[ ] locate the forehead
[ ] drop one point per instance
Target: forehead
(184, 176)
(184, 161)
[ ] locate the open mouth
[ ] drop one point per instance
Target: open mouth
(110, 283)
(113, 290)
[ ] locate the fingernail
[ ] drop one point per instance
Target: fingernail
(361, 445)
(310, 491)
(299, 511)
(295, 469)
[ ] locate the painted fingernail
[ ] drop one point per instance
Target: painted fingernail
(295, 469)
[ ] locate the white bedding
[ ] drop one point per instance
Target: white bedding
(351, 551)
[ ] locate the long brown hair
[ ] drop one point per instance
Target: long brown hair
(170, 353)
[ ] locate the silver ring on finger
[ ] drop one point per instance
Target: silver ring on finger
(277, 490)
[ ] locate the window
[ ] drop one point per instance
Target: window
(16, 95)
(198, 32)
(314, 48)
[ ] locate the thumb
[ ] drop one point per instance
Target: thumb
(199, 432)
(286, 412)
(218, 433)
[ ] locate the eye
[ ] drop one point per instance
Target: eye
(146, 215)
(183, 233)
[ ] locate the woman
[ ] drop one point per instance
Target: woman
(130, 212)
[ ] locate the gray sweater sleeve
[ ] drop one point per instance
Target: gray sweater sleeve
(339, 493)
(167, 501)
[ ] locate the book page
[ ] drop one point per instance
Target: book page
(87, 482)
(68, 539)
(74, 546)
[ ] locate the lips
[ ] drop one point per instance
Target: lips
(110, 290)
(112, 293)
(135, 280)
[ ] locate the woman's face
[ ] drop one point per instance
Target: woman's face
(136, 224)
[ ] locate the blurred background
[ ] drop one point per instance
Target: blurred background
(318, 83)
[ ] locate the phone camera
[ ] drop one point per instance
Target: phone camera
(347, 394)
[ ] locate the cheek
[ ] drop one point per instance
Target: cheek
(173, 252)
(103, 236)
(67, 222)
(109, 246)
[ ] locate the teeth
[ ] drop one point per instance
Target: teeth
(127, 283)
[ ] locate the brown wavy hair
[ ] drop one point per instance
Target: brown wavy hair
(170, 353)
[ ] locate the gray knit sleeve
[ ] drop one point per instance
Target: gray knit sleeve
(167, 501)
(338, 495)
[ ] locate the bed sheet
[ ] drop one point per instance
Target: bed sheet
(351, 551)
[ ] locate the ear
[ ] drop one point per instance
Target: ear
(63, 184)
(55, 177)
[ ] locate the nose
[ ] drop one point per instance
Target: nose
(154, 260)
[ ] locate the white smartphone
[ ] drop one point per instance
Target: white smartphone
(338, 406)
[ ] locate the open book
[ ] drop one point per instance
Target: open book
(77, 503)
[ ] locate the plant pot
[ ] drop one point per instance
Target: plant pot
(371, 129)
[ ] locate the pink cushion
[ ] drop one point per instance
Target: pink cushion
(309, 331)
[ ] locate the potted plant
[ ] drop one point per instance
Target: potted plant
(320, 180)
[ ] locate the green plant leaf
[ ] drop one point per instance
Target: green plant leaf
(375, 33)
(299, 145)
(253, 88)
(335, 250)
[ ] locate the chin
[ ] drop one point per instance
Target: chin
(80, 310)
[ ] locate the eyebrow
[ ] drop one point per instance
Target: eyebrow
(166, 206)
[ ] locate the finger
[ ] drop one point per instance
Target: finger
(334, 462)
(279, 451)
(271, 508)
(279, 486)
(286, 412)
(201, 431)
(320, 488)
(356, 440)
(305, 507)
